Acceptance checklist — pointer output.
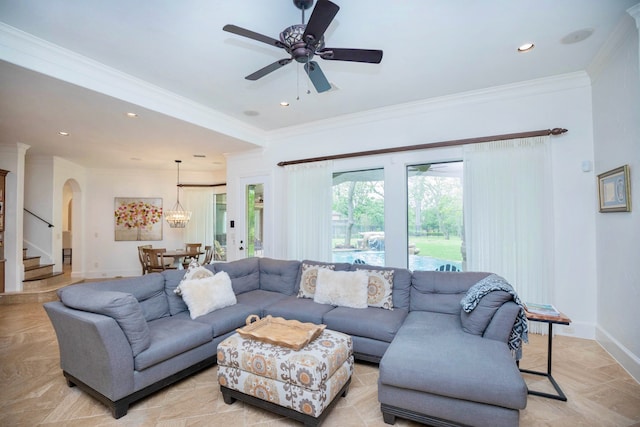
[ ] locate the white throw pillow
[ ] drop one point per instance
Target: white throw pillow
(195, 271)
(205, 295)
(308, 278)
(343, 288)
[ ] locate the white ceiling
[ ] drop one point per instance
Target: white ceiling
(170, 62)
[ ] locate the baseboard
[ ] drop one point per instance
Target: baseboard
(629, 361)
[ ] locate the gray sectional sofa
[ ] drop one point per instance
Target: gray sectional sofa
(122, 340)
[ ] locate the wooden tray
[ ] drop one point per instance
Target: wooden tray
(279, 331)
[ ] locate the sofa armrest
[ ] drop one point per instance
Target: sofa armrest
(502, 322)
(93, 349)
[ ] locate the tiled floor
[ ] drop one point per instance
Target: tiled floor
(33, 391)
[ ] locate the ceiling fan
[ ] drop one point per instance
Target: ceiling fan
(302, 42)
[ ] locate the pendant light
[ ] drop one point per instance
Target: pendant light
(177, 217)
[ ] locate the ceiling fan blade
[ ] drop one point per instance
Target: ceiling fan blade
(355, 55)
(317, 77)
(321, 17)
(252, 35)
(268, 69)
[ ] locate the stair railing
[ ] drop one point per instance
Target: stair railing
(45, 221)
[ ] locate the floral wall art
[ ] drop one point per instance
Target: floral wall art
(138, 218)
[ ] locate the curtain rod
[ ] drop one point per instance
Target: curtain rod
(202, 185)
(452, 143)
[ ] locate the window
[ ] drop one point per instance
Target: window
(358, 217)
(434, 216)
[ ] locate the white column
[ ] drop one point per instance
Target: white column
(12, 158)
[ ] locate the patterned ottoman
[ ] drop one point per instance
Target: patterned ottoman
(298, 384)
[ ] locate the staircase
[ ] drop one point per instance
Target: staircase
(40, 282)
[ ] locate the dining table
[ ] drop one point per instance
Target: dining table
(178, 255)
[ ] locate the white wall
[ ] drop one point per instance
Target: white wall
(103, 256)
(563, 101)
(616, 100)
(38, 198)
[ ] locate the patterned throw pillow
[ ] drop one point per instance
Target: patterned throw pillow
(380, 289)
(309, 277)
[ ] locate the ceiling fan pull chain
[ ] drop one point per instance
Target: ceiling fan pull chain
(298, 80)
(308, 76)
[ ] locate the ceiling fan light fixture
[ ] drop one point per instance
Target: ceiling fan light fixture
(302, 42)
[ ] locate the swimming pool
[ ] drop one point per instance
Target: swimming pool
(416, 262)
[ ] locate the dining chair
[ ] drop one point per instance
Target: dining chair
(208, 254)
(143, 258)
(192, 250)
(218, 253)
(156, 260)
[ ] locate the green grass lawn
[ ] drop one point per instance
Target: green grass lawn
(438, 247)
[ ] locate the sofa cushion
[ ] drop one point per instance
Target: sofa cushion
(308, 278)
(380, 288)
(441, 291)
(278, 275)
(476, 321)
(244, 273)
(432, 354)
(207, 294)
(302, 309)
(227, 319)
(401, 282)
(259, 299)
(372, 322)
(147, 289)
(122, 307)
(343, 288)
(172, 279)
(170, 337)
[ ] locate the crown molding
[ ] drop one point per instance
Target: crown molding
(634, 11)
(616, 40)
(30, 52)
(557, 83)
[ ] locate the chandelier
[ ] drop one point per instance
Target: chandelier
(177, 217)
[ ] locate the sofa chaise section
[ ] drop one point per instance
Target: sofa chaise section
(435, 372)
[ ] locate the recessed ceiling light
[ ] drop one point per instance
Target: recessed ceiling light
(63, 133)
(251, 113)
(132, 115)
(526, 47)
(200, 156)
(284, 104)
(135, 159)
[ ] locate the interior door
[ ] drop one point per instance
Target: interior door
(251, 233)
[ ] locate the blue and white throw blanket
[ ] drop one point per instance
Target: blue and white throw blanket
(496, 283)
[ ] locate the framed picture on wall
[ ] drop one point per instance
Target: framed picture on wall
(138, 218)
(614, 192)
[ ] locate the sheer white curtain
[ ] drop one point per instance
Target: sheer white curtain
(200, 228)
(309, 200)
(508, 213)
